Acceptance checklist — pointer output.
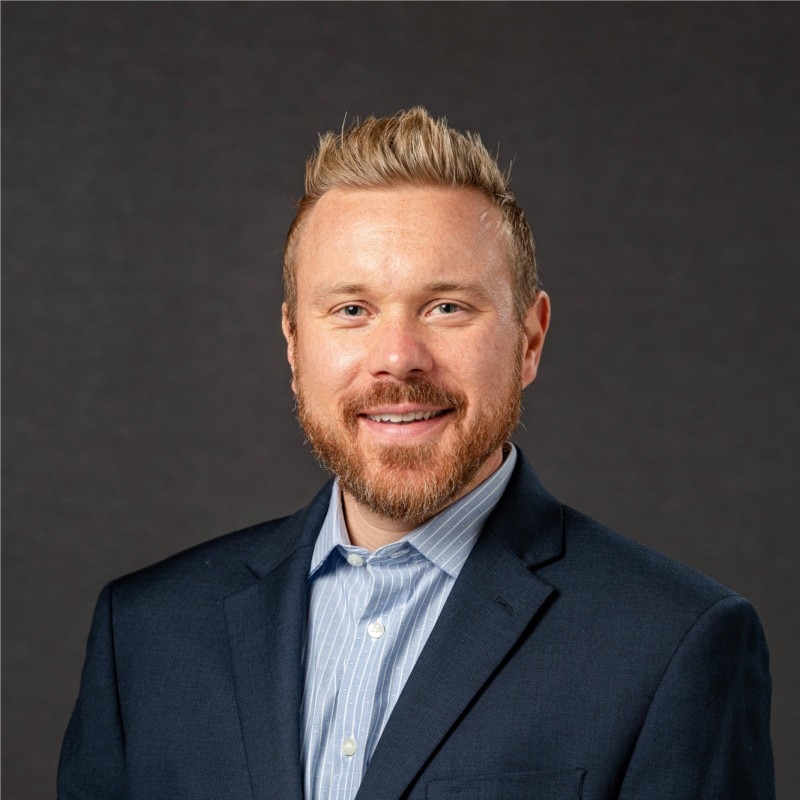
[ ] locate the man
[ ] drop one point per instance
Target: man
(434, 624)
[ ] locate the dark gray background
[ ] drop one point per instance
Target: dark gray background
(150, 154)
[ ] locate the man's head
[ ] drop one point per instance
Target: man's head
(407, 336)
(413, 149)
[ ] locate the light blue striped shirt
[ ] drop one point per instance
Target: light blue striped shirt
(370, 614)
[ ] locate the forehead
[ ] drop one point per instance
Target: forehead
(438, 227)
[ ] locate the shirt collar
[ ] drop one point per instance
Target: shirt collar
(445, 540)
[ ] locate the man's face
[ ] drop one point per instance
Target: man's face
(408, 360)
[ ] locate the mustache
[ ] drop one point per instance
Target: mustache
(415, 390)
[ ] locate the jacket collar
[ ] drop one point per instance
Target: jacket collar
(528, 520)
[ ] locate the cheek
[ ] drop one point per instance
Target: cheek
(326, 363)
(345, 361)
(477, 372)
(493, 360)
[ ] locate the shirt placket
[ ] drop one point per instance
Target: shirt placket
(360, 690)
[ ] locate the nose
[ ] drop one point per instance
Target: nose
(399, 350)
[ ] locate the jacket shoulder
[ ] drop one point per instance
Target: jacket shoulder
(595, 566)
(219, 565)
(601, 563)
(236, 559)
(226, 564)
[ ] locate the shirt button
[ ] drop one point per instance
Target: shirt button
(376, 630)
(355, 560)
(349, 747)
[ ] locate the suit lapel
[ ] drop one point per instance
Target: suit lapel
(493, 602)
(266, 629)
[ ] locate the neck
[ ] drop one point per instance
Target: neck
(370, 530)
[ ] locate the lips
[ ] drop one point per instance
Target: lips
(410, 416)
(406, 404)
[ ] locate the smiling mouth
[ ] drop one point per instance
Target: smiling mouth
(411, 416)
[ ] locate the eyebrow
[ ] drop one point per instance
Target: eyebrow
(476, 289)
(324, 291)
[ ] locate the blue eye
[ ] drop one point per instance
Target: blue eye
(351, 311)
(448, 308)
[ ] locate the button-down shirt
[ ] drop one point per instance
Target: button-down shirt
(370, 614)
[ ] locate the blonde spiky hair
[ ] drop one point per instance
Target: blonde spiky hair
(413, 149)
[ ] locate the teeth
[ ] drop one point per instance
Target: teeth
(411, 416)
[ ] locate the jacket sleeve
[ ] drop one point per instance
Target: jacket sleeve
(706, 735)
(93, 754)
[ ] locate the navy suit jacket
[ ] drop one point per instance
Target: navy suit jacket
(568, 662)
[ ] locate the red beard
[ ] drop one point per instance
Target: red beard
(411, 482)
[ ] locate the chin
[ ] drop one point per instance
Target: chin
(409, 489)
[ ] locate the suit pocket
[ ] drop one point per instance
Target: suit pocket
(560, 784)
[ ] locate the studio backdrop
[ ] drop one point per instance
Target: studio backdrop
(151, 154)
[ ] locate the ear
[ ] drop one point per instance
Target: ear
(535, 327)
(289, 336)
